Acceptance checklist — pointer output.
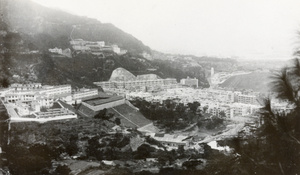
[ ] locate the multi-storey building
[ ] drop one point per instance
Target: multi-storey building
(80, 45)
(56, 90)
(191, 82)
(55, 50)
(15, 96)
(144, 85)
(123, 79)
(84, 93)
(20, 87)
(30, 92)
(247, 99)
(28, 99)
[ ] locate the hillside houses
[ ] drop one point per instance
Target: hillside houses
(95, 47)
(121, 79)
(213, 101)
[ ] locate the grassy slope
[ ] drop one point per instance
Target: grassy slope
(257, 81)
(131, 114)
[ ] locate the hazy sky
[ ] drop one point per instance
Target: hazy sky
(258, 29)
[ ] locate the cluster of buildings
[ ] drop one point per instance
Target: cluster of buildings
(213, 101)
(190, 82)
(66, 52)
(42, 103)
(95, 47)
(34, 100)
(122, 82)
(150, 87)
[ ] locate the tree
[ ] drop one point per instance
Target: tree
(5, 82)
(222, 114)
(281, 127)
(118, 121)
(62, 170)
(276, 148)
(194, 106)
(101, 114)
(205, 108)
(143, 151)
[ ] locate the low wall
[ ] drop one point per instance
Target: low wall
(42, 120)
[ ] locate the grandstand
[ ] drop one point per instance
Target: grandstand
(129, 116)
(85, 111)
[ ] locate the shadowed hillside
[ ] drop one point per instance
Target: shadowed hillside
(37, 28)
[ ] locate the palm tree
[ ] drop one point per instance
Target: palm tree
(286, 87)
(282, 130)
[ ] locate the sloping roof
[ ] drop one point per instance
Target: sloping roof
(65, 105)
(147, 77)
(100, 95)
(100, 101)
(121, 74)
(171, 138)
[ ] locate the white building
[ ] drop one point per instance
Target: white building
(56, 50)
(169, 140)
(15, 96)
(54, 90)
(247, 99)
(116, 49)
(191, 82)
(77, 96)
(20, 87)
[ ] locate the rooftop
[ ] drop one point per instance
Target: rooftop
(169, 138)
(102, 100)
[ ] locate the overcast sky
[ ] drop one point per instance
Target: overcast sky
(257, 29)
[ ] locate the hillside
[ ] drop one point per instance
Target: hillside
(204, 62)
(84, 69)
(44, 28)
(29, 27)
(256, 81)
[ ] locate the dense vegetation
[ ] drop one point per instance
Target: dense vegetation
(203, 63)
(173, 116)
(174, 69)
(62, 70)
(37, 146)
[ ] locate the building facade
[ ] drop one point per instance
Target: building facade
(190, 82)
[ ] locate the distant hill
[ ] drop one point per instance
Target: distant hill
(45, 28)
(256, 81)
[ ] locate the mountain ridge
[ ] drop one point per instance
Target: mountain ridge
(54, 27)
